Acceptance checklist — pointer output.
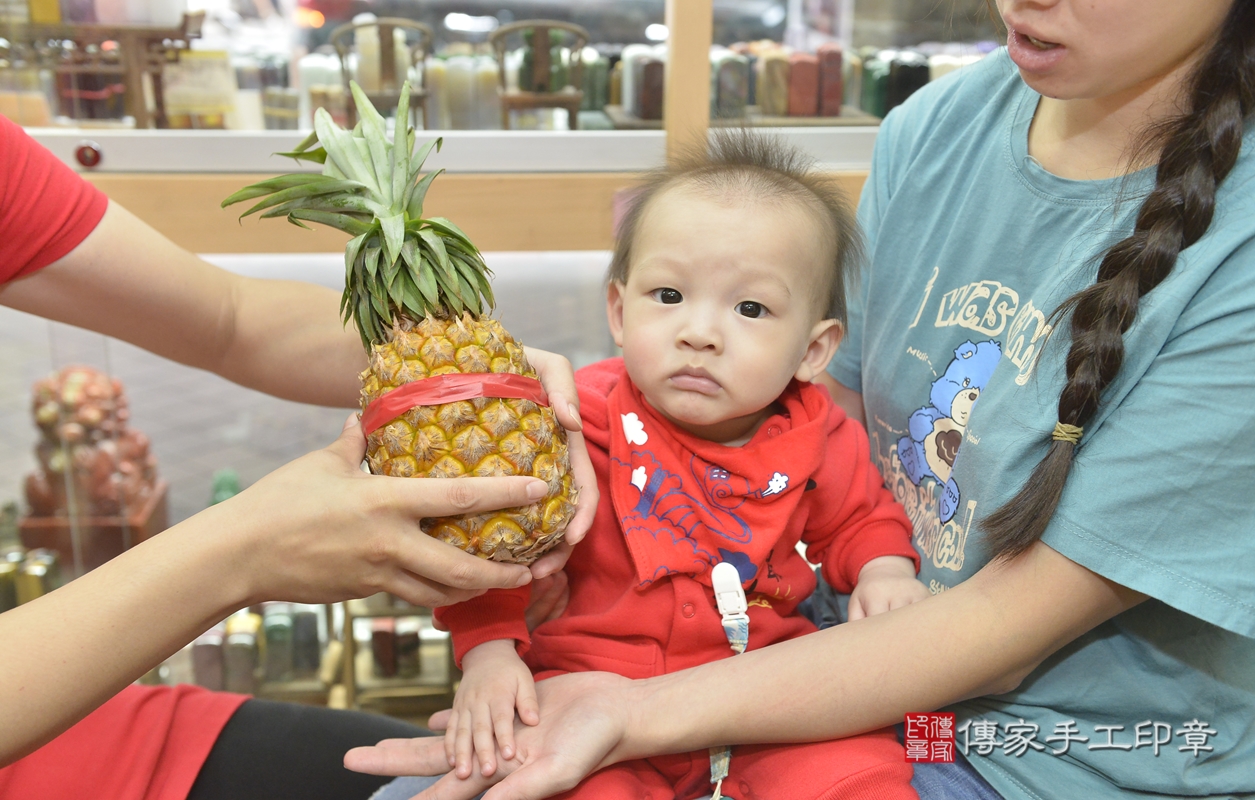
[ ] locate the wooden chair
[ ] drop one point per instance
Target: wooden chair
(536, 89)
(389, 94)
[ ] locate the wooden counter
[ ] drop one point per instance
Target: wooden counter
(499, 211)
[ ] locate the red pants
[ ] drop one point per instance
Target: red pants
(868, 767)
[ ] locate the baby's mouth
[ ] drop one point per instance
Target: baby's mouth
(1038, 43)
(695, 380)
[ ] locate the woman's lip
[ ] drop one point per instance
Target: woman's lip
(691, 382)
(1028, 56)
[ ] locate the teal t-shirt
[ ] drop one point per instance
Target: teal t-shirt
(972, 245)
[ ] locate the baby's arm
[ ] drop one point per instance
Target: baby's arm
(495, 682)
(885, 583)
(858, 532)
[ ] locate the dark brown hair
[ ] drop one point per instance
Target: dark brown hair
(741, 165)
(1196, 151)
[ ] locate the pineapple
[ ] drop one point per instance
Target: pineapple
(418, 292)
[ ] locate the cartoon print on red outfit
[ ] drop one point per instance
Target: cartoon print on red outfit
(683, 511)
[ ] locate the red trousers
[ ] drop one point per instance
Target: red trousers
(868, 767)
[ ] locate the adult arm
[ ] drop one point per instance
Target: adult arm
(980, 637)
(128, 281)
(318, 530)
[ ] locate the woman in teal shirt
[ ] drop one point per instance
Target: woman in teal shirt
(1055, 348)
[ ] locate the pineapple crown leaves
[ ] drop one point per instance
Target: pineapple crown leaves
(398, 263)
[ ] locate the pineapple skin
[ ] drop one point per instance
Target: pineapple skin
(480, 437)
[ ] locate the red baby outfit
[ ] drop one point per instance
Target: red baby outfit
(673, 505)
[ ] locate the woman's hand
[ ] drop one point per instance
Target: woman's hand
(320, 530)
(558, 378)
(584, 721)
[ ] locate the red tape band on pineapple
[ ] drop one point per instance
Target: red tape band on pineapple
(449, 388)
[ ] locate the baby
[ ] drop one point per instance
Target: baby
(711, 445)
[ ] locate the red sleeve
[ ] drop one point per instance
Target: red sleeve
(146, 742)
(496, 614)
(854, 517)
(46, 209)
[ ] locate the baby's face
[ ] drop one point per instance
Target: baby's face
(721, 309)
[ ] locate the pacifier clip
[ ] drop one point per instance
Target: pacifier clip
(730, 598)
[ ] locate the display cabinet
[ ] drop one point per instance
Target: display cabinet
(414, 664)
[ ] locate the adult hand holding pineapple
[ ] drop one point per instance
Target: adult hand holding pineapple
(307, 506)
(448, 392)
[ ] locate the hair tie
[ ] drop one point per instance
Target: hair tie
(1067, 433)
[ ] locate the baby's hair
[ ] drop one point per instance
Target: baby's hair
(740, 165)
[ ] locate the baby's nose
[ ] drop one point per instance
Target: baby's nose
(700, 336)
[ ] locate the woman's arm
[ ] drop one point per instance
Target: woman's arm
(317, 530)
(980, 637)
(128, 281)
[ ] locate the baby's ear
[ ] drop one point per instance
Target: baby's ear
(825, 337)
(614, 311)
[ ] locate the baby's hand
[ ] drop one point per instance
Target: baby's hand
(884, 584)
(495, 681)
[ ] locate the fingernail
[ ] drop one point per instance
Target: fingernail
(524, 579)
(575, 412)
(351, 421)
(537, 489)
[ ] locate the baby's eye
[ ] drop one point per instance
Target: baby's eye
(668, 296)
(750, 309)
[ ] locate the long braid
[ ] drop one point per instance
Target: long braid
(1198, 149)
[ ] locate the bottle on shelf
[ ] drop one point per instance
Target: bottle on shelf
(803, 85)
(242, 652)
(367, 46)
(831, 82)
(208, 668)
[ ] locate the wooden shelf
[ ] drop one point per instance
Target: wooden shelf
(503, 211)
(437, 678)
(300, 690)
(95, 34)
(362, 609)
(143, 49)
(753, 118)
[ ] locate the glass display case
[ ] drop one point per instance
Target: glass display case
(268, 64)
